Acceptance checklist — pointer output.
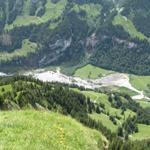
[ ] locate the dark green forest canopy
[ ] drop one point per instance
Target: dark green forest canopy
(78, 30)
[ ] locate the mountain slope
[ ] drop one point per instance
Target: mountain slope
(106, 33)
(35, 130)
(138, 12)
(93, 109)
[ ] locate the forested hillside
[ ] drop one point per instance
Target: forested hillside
(24, 93)
(138, 12)
(110, 34)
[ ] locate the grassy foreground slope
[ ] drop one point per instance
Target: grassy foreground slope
(50, 130)
(44, 131)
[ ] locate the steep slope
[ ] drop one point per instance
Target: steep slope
(138, 12)
(106, 33)
(95, 110)
(46, 130)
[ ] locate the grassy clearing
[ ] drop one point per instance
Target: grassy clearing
(128, 26)
(53, 11)
(123, 90)
(140, 82)
(103, 99)
(45, 130)
(98, 97)
(104, 119)
(66, 69)
(90, 71)
(92, 11)
(27, 47)
(144, 132)
(144, 104)
(5, 88)
(127, 91)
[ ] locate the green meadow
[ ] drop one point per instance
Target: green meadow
(27, 48)
(103, 117)
(144, 104)
(5, 88)
(140, 82)
(41, 130)
(144, 132)
(92, 11)
(124, 90)
(90, 71)
(128, 26)
(53, 11)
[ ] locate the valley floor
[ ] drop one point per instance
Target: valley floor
(110, 80)
(91, 77)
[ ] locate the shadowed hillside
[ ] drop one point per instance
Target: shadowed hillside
(110, 35)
